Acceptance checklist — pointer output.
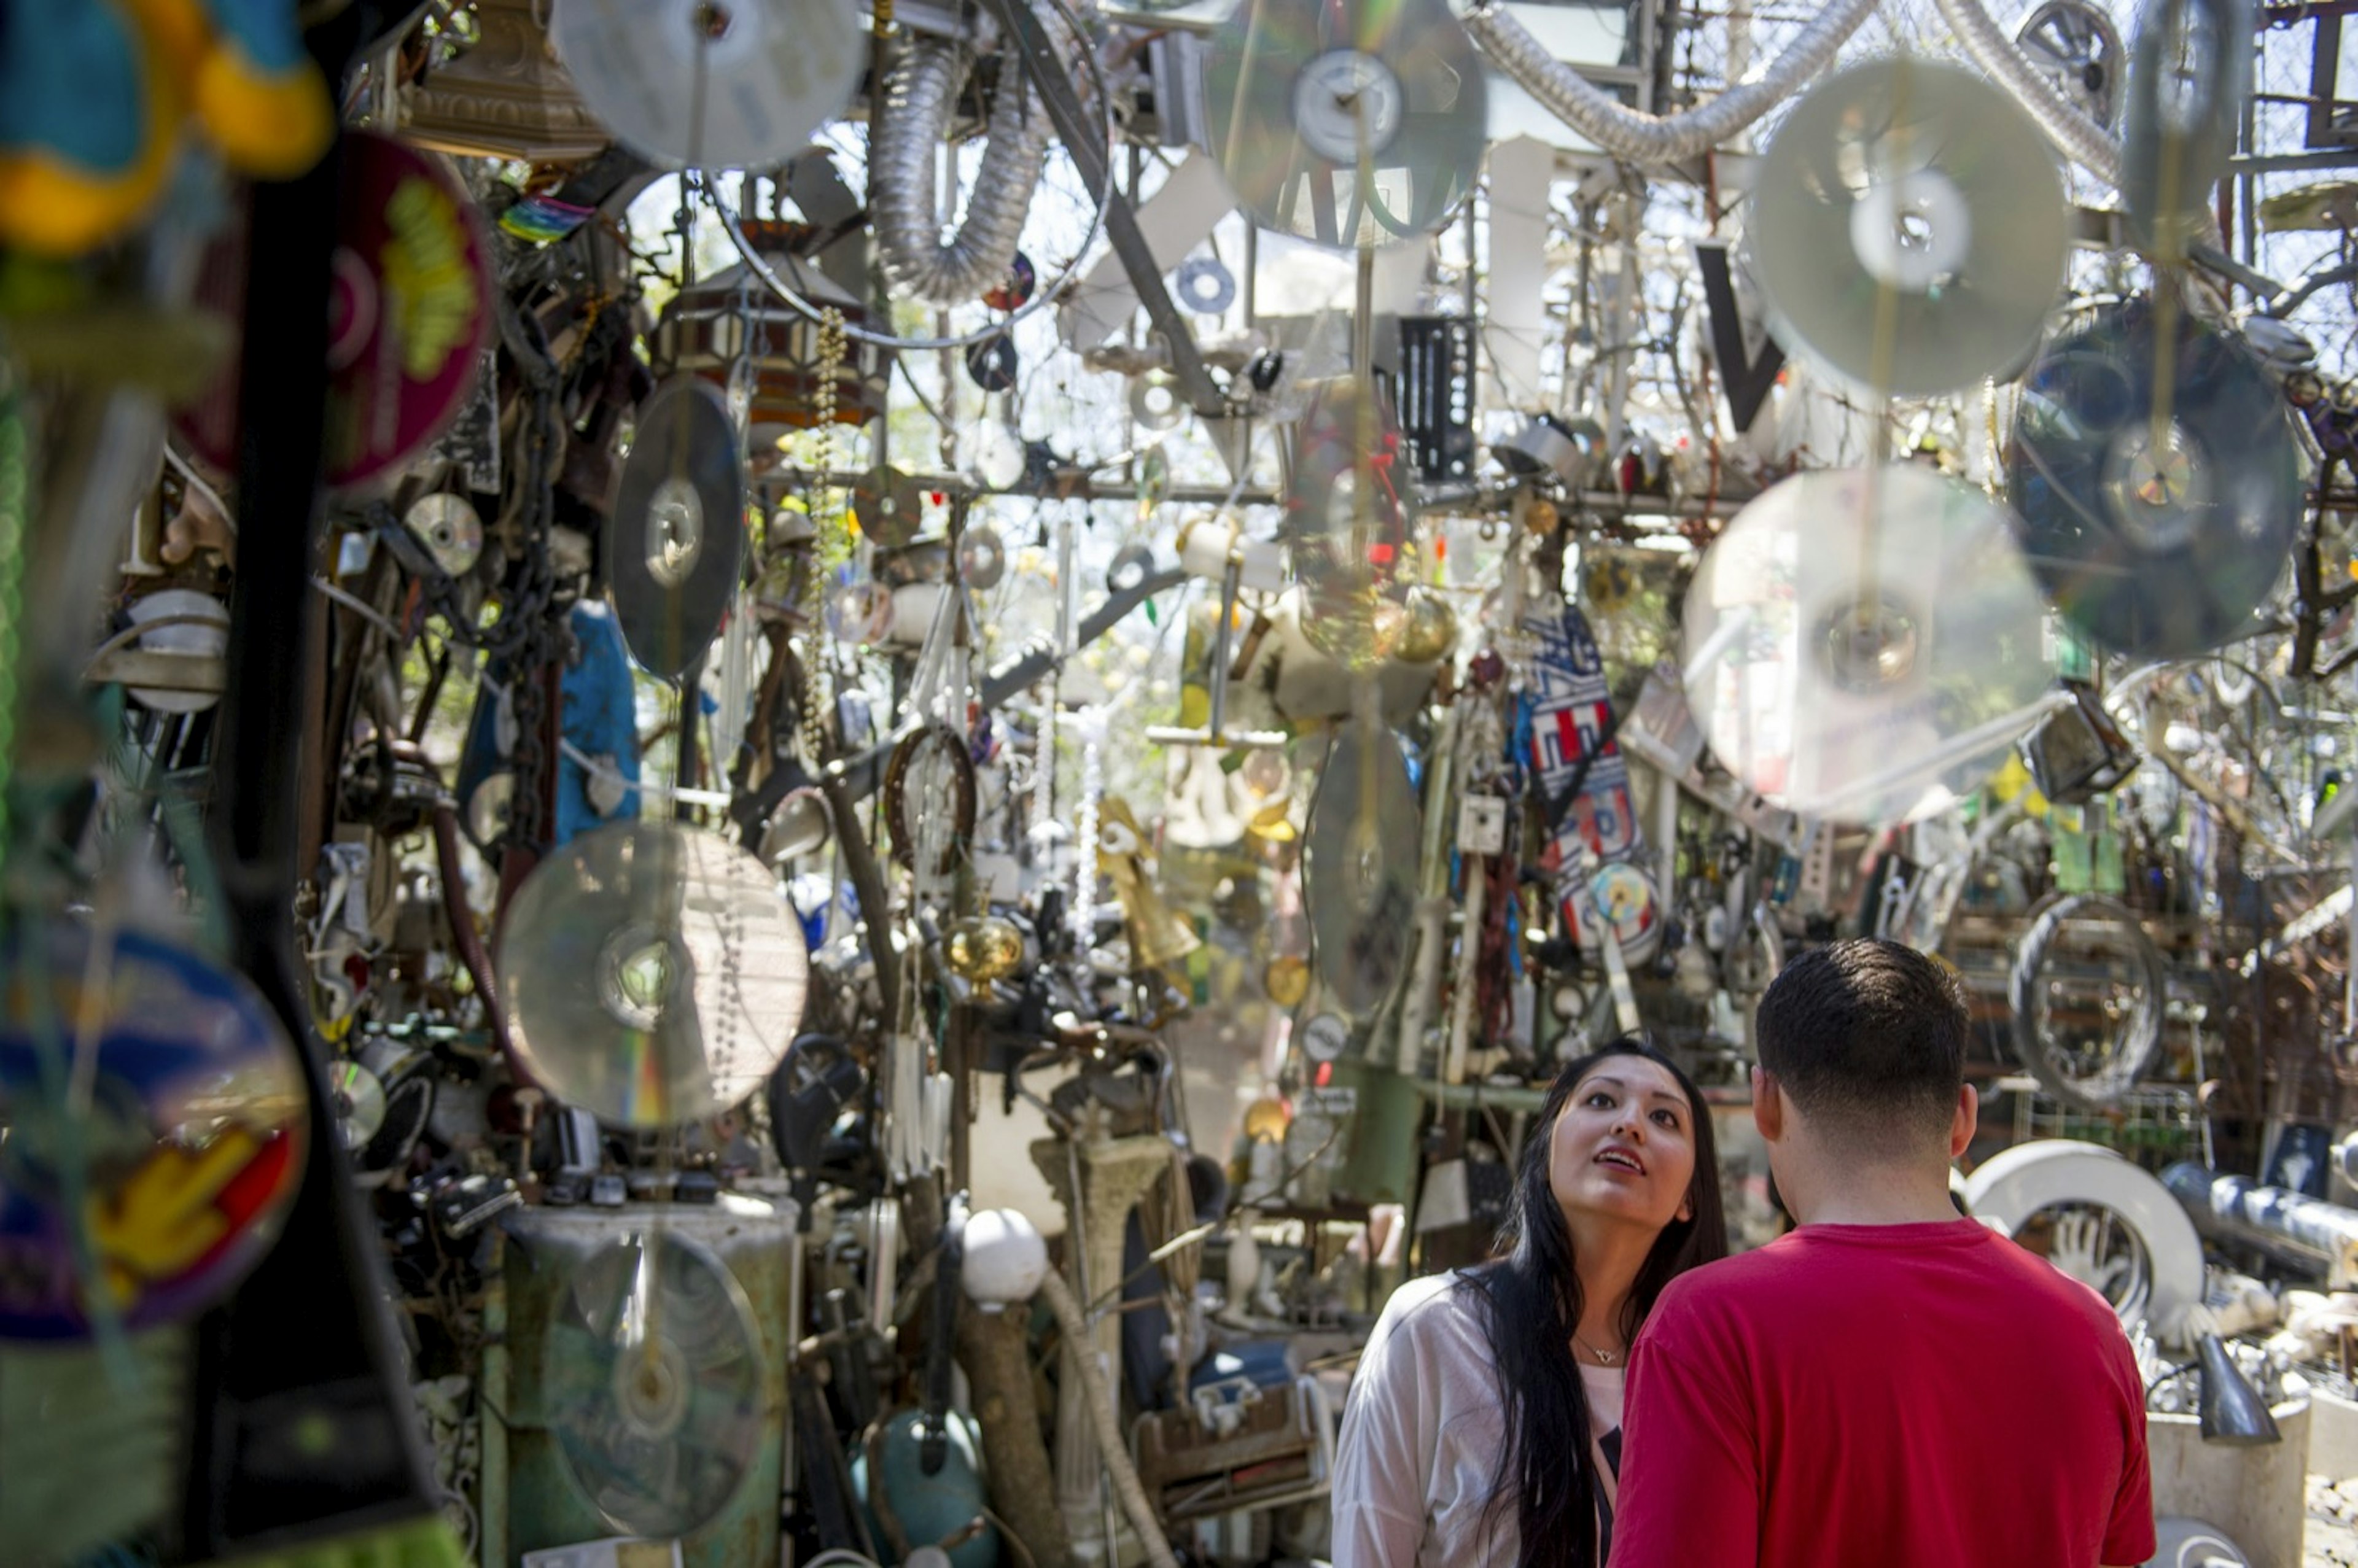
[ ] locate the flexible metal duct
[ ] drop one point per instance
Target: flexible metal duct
(1646, 138)
(2282, 1222)
(920, 93)
(2078, 137)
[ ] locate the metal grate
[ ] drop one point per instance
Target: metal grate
(2153, 1124)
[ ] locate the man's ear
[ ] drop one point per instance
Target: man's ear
(1768, 1105)
(1967, 1117)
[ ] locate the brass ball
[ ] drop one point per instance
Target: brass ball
(983, 947)
(1286, 980)
(1431, 630)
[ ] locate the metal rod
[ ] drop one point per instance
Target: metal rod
(2283, 1222)
(1230, 579)
(1083, 137)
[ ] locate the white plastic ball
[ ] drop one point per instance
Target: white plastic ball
(1005, 1258)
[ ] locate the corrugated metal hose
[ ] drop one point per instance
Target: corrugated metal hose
(1646, 138)
(921, 93)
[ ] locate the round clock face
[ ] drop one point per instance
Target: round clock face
(1323, 1037)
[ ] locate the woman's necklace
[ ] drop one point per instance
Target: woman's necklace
(1603, 1357)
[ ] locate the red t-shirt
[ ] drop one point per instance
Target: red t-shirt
(1902, 1396)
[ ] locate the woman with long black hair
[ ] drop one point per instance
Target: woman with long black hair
(1483, 1426)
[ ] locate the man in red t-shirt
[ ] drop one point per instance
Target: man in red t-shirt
(1889, 1385)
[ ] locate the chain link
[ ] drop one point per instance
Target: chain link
(824, 522)
(539, 635)
(13, 491)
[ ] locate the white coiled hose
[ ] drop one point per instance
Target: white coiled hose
(2075, 135)
(1647, 138)
(921, 93)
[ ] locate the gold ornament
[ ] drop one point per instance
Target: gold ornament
(1432, 629)
(1286, 980)
(1265, 1120)
(982, 947)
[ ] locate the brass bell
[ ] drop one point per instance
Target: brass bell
(1158, 936)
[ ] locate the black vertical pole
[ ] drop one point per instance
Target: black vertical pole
(302, 1429)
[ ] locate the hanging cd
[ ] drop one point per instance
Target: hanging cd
(981, 558)
(1131, 565)
(1908, 228)
(1022, 282)
(991, 364)
(1347, 125)
(447, 525)
(1864, 648)
(151, 1111)
(1620, 897)
(1155, 403)
(889, 506)
(2190, 68)
(1204, 286)
(1361, 855)
(653, 1384)
(2156, 547)
(653, 973)
(1346, 527)
(699, 84)
(357, 1099)
(2073, 44)
(676, 544)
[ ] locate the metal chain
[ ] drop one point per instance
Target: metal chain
(13, 491)
(538, 636)
(824, 520)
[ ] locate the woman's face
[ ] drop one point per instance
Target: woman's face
(1623, 1147)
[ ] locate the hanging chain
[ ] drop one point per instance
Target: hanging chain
(13, 491)
(824, 524)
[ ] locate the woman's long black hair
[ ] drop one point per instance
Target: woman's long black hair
(1548, 1462)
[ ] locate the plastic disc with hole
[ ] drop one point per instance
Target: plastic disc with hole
(652, 974)
(1205, 286)
(991, 364)
(1155, 403)
(447, 525)
(676, 541)
(2158, 506)
(712, 84)
(1866, 646)
(653, 1384)
(1345, 125)
(1908, 228)
(1357, 882)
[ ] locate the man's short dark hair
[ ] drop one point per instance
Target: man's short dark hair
(1868, 1039)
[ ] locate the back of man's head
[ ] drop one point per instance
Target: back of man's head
(1868, 1041)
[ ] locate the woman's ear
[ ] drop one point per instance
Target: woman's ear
(1686, 1210)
